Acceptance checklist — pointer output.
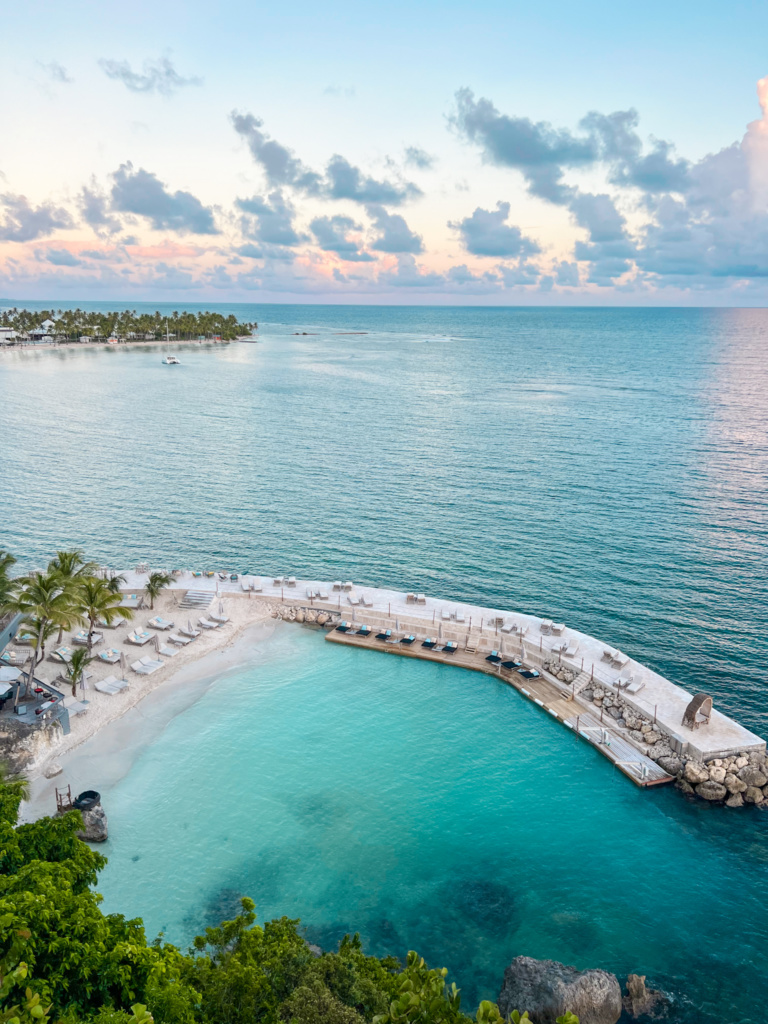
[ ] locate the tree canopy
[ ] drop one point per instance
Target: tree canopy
(127, 325)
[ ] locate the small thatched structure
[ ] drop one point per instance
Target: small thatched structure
(701, 705)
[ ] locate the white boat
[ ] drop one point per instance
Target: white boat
(172, 361)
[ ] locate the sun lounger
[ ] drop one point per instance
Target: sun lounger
(508, 627)
(343, 627)
(180, 641)
(451, 647)
(146, 666)
(560, 647)
(386, 634)
(511, 665)
(207, 624)
(192, 634)
(620, 660)
(337, 585)
(528, 673)
(220, 619)
(24, 639)
(138, 639)
(494, 657)
(278, 581)
(366, 602)
(410, 599)
(111, 656)
(114, 624)
(160, 623)
(408, 639)
(197, 574)
(445, 615)
(245, 583)
(609, 653)
(572, 649)
(62, 654)
(168, 652)
(421, 599)
(310, 594)
(460, 617)
(11, 658)
(635, 686)
(557, 628)
(104, 687)
(81, 638)
(364, 631)
(429, 642)
(76, 707)
(546, 626)
(322, 595)
(349, 585)
(223, 576)
(131, 601)
(290, 581)
(354, 601)
(256, 586)
(119, 684)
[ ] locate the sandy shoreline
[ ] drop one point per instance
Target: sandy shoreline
(110, 748)
(192, 661)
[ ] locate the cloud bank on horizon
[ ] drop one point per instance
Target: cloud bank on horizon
(637, 218)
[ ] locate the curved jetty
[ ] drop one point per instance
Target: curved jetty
(644, 723)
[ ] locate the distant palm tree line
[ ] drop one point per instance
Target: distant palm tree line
(72, 324)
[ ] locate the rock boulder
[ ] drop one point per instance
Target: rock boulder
(753, 795)
(548, 989)
(695, 773)
(712, 791)
(641, 1000)
(94, 825)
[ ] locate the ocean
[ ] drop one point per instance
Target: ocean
(604, 467)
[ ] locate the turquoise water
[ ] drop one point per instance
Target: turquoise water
(605, 467)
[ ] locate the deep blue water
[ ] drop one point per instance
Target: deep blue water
(604, 467)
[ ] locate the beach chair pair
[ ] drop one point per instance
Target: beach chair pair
(160, 623)
(138, 639)
(111, 656)
(146, 666)
(111, 685)
(207, 624)
(81, 638)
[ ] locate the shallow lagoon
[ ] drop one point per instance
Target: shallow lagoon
(431, 807)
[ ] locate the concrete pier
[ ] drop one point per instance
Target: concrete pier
(478, 630)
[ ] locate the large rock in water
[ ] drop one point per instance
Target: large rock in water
(94, 825)
(547, 989)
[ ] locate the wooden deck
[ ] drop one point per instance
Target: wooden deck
(604, 736)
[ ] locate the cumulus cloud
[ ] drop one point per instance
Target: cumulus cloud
(486, 233)
(142, 193)
(417, 157)
(268, 220)
(408, 274)
(22, 222)
(159, 76)
(94, 207)
(59, 257)
(394, 234)
(341, 180)
(332, 235)
(56, 72)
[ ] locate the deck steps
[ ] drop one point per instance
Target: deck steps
(581, 682)
(196, 599)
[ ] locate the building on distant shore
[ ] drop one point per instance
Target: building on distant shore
(8, 336)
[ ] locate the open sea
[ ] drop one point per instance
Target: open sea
(604, 467)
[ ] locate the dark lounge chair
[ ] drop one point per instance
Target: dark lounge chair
(408, 639)
(451, 647)
(364, 631)
(511, 665)
(429, 642)
(343, 626)
(385, 635)
(494, 657)
(528, 673)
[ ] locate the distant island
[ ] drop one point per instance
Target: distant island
(18, 326)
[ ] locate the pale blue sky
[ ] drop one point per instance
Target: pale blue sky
(89, 87)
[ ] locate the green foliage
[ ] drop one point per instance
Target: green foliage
(13, 789)
(313, 1003)
(423, 997)
(156, 583)
(72, 324)
(7, 562)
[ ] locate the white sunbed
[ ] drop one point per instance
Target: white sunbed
(219, 619)
(207, 624)
(572, 648)
(546, 626)
(410, 598)
(160, 623)
(62, 654)
(460, 617)
(366, 602)
(609, 654)
(290, 581)
(146, 666)
(256, 586)
(509, 627)
(82, 638)
(180, 641)
(245, 583)
(353, 600)
(560, 647)
(138, 639)
(558, 627)
(169, 652)
(445, 615)
(337, 585)
(278, 581)
(322, 595)
(132, 601)
(620, 660)
(191, 633)
(421, 599)
(111, 656)
(114, 624)
(635, 686)
(349, 585)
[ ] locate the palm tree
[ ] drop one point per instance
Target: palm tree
(115, 582)
(7, 562)
(156, 583)
(45, 604)
(72, 570)
(95, 600)
(75, 670)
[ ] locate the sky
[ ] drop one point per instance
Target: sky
(485, 153)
